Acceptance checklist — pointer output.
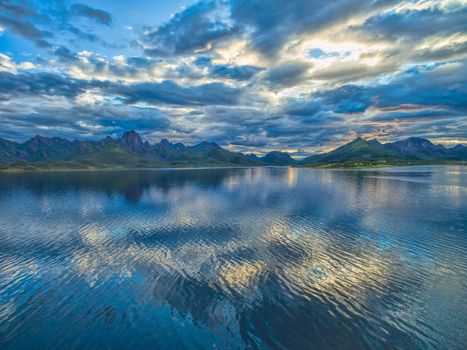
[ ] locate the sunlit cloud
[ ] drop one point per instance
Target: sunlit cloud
(299, 76)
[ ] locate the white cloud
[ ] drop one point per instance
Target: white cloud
(6, 64)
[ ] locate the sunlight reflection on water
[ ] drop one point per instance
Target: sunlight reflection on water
(234, 258)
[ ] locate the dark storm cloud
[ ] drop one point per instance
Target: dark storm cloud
(194, 29)
(100, 16)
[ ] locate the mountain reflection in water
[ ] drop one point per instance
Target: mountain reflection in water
(234, 258)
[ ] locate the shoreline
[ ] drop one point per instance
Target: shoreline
(10, 170)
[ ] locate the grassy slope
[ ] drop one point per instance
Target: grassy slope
(361, 153)
(358, 153)
(117, 157)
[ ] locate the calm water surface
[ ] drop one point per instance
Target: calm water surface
(264, 258)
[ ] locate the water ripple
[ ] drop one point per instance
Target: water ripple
(270, 258)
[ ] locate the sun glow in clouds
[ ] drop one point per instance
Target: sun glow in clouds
(301, 75)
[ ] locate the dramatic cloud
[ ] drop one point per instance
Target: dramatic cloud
(277, 22)
(166, 92)
(252, 75)
(171, 93)
(196, 28)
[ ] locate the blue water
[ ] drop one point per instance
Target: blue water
(262, 258)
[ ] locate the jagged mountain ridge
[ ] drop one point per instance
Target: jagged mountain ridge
(131, 151)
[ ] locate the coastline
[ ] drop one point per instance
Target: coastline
(379, 165)
(32, 169)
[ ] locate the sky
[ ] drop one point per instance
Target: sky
(302, 76)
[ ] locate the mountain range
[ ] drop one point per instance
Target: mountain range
(414, 150)
(130, 151)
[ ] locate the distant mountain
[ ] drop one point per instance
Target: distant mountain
(356, 151)
(128, 151)
(409, 151)
(278, 158)
(422, 149)
(253, 156)
(273, 158)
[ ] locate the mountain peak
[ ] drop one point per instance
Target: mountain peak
(37, 138)
(278, 157)
(207, 145)
(130, 133)
(132, 141)
(459, 147)
(358, 140)
(165, 142)
(417, 140)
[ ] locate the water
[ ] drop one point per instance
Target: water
(264, 258)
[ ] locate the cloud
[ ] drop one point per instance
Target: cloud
(276, 23)
(25, 29)
(16, 9)
(234, 72)
(171, 93)
(82, 121)
(166, 92)
(414, 25)
(99, 16)
(287, 74)
(45, 23)
(417, 115)
(227, 71)
(268, 74)
(39, 84)
(343, 72)
(6, 64)
(17, 19)
(442, 85)
(195, 29)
